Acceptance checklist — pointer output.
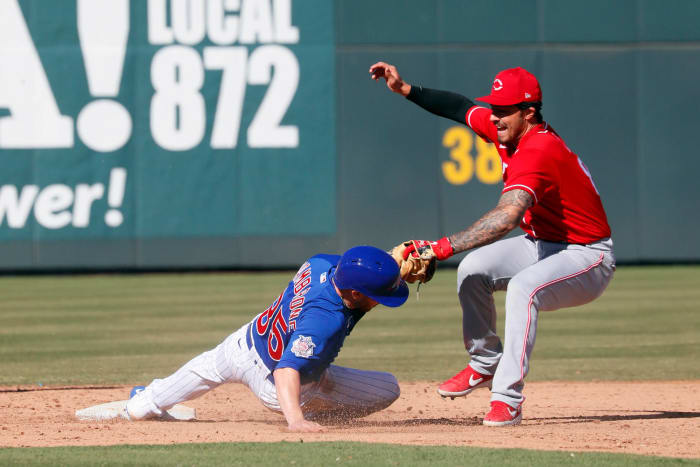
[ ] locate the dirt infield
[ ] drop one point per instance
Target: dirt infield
(652, 418)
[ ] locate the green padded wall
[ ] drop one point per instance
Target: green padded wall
(207, 134)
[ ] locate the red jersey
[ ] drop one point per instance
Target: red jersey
(567, 206)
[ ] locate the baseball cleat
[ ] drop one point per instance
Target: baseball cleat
(463, 383)
(502, 414)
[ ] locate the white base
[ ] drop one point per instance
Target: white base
(117, 409)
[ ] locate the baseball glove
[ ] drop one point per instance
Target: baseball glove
(416, 264)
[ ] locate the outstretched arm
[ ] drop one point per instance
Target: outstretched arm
(492, 226)
(442, 103)
(496, 223)
(288, 385)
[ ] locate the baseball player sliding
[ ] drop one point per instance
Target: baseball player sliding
(564, 259)
(284, 354)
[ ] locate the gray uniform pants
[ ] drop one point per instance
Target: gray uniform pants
(537, 276)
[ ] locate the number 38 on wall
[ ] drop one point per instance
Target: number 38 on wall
(460, 169)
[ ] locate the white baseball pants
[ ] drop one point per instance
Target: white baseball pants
(537, 276)
(341, 392)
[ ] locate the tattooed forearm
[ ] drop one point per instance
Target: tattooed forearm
(496, 223)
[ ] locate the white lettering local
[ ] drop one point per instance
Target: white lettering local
(223, 21)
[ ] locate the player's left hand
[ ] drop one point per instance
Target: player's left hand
(393, 80)
(305, 426)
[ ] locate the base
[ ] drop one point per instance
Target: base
(117, 409)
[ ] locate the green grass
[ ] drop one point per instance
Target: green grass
(318, 454)
(109, 329)
(124, 329)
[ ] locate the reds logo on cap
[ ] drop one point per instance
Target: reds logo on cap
(513, 86)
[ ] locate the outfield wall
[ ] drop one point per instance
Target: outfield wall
(176, 134)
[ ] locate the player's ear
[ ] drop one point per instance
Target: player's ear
(356, 296)
(361, 300)
(530, 114)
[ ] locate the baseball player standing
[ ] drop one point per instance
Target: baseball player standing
(284, 354)
(564, 259)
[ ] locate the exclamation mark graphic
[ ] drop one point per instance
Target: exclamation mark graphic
(104, 125)
(115, 196)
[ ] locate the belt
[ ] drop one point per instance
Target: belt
(602, 240)
(249, 336)
(258, 360)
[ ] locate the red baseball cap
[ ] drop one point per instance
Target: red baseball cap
(513, 86)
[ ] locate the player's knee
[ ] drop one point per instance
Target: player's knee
(385, 389)
(471, 273)
(388, 394)
(393, 390)
(520, 291)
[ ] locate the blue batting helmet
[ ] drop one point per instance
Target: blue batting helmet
(372, 272)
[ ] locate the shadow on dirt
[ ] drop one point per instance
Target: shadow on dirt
(413, 422)
(57, 388)
(618, 417)
(473, 421)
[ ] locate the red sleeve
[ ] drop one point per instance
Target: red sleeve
(532, 171)
(477, 118)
